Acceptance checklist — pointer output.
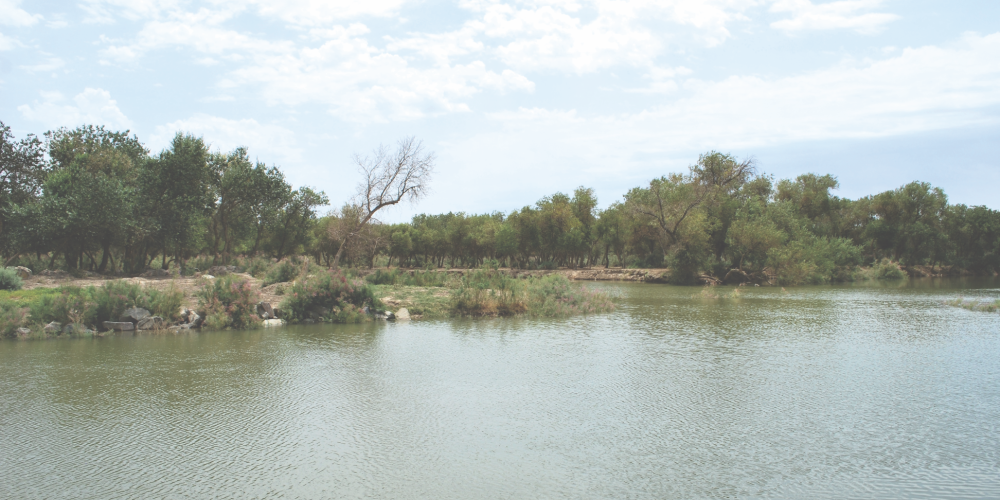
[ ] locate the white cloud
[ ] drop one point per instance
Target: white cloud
(843, 14)
(325, 12)
(920, 89)
(7, 43)
(12, 15)
(50, 64)
(274, 141)
(92, 106)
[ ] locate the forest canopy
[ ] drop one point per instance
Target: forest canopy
(94, 200)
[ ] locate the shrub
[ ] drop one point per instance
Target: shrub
(888, 270)
(9, 280)
(555, 295)
(256, 267)
(331, 296)
(285, 271)
(71, 305)
(229, 302)
(489, 292)
(403, 278)
(12, 317)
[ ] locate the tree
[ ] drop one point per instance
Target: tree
(389, 178)
(22, 171)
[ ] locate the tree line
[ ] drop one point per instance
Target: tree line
(92, 199)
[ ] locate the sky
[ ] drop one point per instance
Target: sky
(522, 99)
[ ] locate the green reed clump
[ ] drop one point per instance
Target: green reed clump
(555, 295)
(12, 317)
(404, 278)
(975, 305)
(229, 302)
(113, 298)
(9, 280)
(329, 296)
(489, 292)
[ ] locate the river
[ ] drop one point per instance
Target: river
(866, 391)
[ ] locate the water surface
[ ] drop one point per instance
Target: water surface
(874, 391)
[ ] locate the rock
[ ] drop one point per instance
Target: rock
(53, 327)
(277, 312)
(151, 323)
(55, 273)
(390, 316)
(380, 315)
(135, 315)
(156, 273)
(221, 270)
(23, 332)
(402, 314)
(177, 328)
(266, 309)
(22, 272)
(194, 319)
(119, 326)
(208, 276)
(269, 323)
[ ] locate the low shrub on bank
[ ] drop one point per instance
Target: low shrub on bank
(404, 278)
(555, 295)
(489, 292)
(329, 296)
(114, 297)
(888, 270)
(9, 280)
(229, 302)
(283, 272)
(12, 317)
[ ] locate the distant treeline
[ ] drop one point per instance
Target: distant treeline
(92, 199)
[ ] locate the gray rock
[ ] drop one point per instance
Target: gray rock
(194, 319)
(270, 323)
(119, 326)
(177, 328)
(267, 312)
(208, 276)
(151, 323)
(22, 272)
(53, 327)
(56, 273)
(135, 315)
(402, 314)
(156, 273)
(23, 332)
(380, 315)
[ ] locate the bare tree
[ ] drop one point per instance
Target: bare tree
(389, 178)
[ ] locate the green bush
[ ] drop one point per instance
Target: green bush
(888, 270)
(404, 278)
(285, 271)
(9, 280)
(113, 298)
(331, 296)
(489, 292)
(555, 295)
(12, 317)
(229, 302)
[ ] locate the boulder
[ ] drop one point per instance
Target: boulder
(135, 315)
(156, 273)
(194, 319)
(119, 326)
(270, 323)
(53, 328)
(402, 314)
(23, 332)
(151, 323)
(266, 311)
(22, 272)
(208, 276)
(177, 328)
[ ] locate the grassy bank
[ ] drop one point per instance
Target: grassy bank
(975, 305)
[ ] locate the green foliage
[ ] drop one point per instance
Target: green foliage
(229, 302)
(489, 292)
(888, 270)
(329, 296)
(283, 272)
(412, 278)
(12, 317)
(9, 280)
(113, 298)
(555, 295)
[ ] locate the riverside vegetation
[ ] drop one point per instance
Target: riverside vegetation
(94, 201)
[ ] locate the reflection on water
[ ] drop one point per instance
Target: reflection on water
(874, 391)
